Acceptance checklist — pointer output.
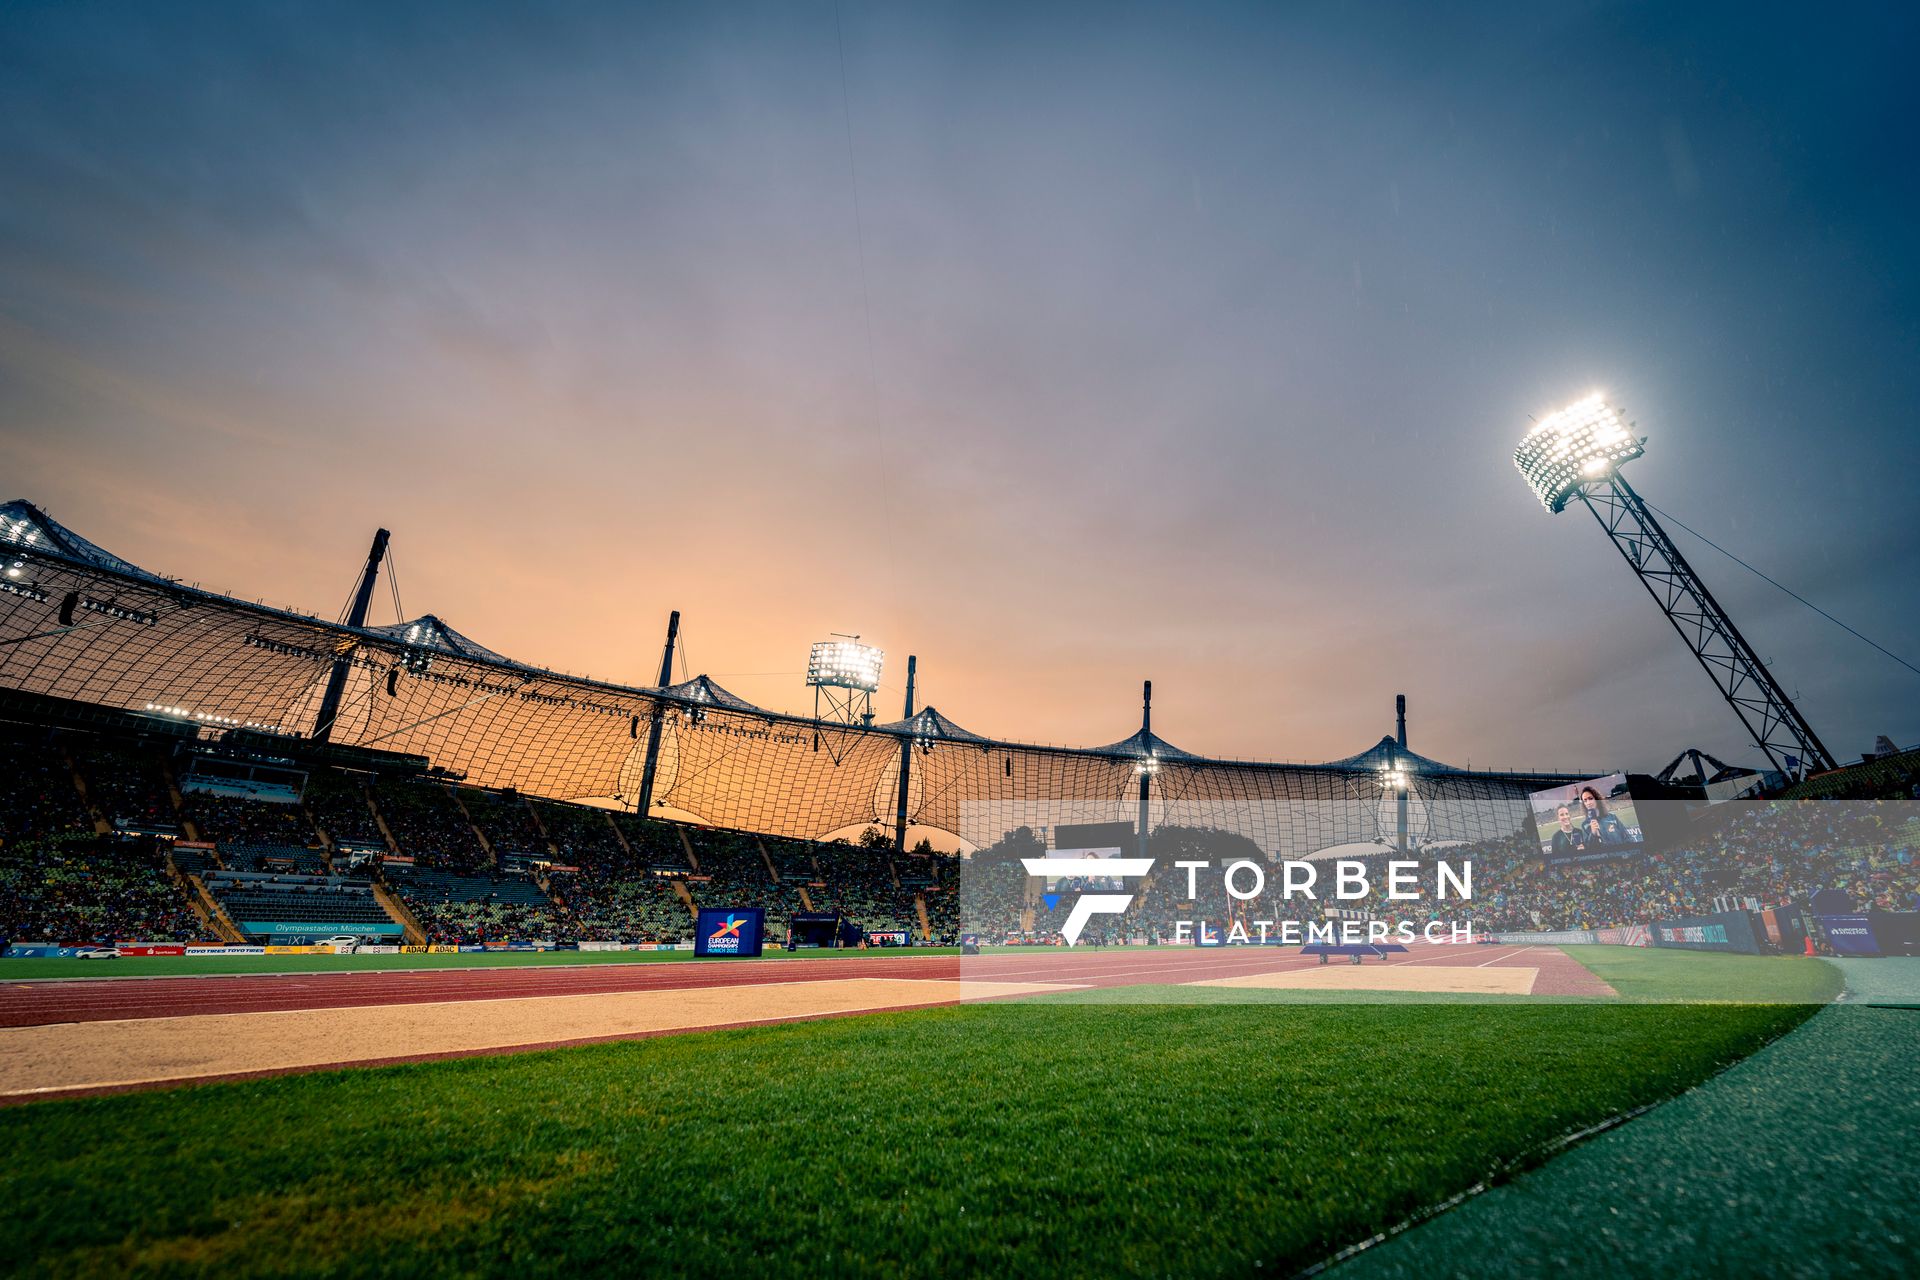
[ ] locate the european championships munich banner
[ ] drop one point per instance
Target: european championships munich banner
(737, 931)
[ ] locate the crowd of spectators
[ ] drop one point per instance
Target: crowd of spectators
(1893, 775)
(37, 795)
(238, 820)
(616, 890)
(578, 832)
(455, 909)
(618, 901)
(936, 877)
(504, 819)
(1747, 855)
(1743, 855)
(620, 878)
(855, 881)
(733, 874)
(993, 889)
(81, 889)
(429, 826)
(338, 802)
(128, 784)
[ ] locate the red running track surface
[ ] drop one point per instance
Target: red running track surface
(98, 999)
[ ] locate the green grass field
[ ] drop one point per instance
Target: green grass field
(1641, 975)
(1008, 1139)
(24, 970)
(1797, 1161)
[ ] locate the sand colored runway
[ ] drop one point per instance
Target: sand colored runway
(83, 1035)
(1455, 979)
(122, 1053)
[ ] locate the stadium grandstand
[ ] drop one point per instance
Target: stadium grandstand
(168, 775)
(84, 631)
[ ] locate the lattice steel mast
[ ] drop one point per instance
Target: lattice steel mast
(1576, 454)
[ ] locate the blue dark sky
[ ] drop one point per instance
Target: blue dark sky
(1184, 342)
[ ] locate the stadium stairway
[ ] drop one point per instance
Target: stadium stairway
(486, 845)
(184, 884)
(416, 936)
(620, 837)
(380, 821)
(533, 815)
(920, 910)
(100, 824)
(680, 889)
(179, 801)
(208, 908)
(326, 837)
(773, 872)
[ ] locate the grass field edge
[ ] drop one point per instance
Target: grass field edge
(1551, 1149)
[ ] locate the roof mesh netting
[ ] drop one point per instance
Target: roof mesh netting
(79, 623)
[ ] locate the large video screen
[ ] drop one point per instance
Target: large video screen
(1587, 819)
(1091, 883)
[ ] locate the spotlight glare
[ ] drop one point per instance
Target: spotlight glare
(1568, 449)
(844, 664)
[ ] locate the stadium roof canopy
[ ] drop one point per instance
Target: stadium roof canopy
(79, 623)
(431, 635)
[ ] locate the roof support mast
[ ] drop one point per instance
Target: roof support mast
(356, 617)
(906, 766)
(644, 804)
(1149, 764)
(1399, 765)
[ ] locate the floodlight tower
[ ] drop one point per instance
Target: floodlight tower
(1577, 454)
(844, 675)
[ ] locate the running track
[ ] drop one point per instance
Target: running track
(41, 1003)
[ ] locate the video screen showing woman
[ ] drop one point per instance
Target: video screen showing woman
(1586, 819)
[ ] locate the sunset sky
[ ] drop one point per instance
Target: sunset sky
(1063, 346)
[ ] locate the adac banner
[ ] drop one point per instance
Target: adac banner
(735, 932)
(1850, 935)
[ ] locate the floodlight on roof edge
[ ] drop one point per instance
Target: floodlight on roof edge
(844, 675)
(1576, 454)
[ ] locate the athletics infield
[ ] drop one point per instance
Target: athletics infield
(79, 1036)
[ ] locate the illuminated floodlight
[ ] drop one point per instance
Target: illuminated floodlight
(1579, 444)
(844, 663)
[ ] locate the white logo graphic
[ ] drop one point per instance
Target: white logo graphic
(1090, 904)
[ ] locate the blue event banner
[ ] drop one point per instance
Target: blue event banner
(738, 931)
(1850, 935)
